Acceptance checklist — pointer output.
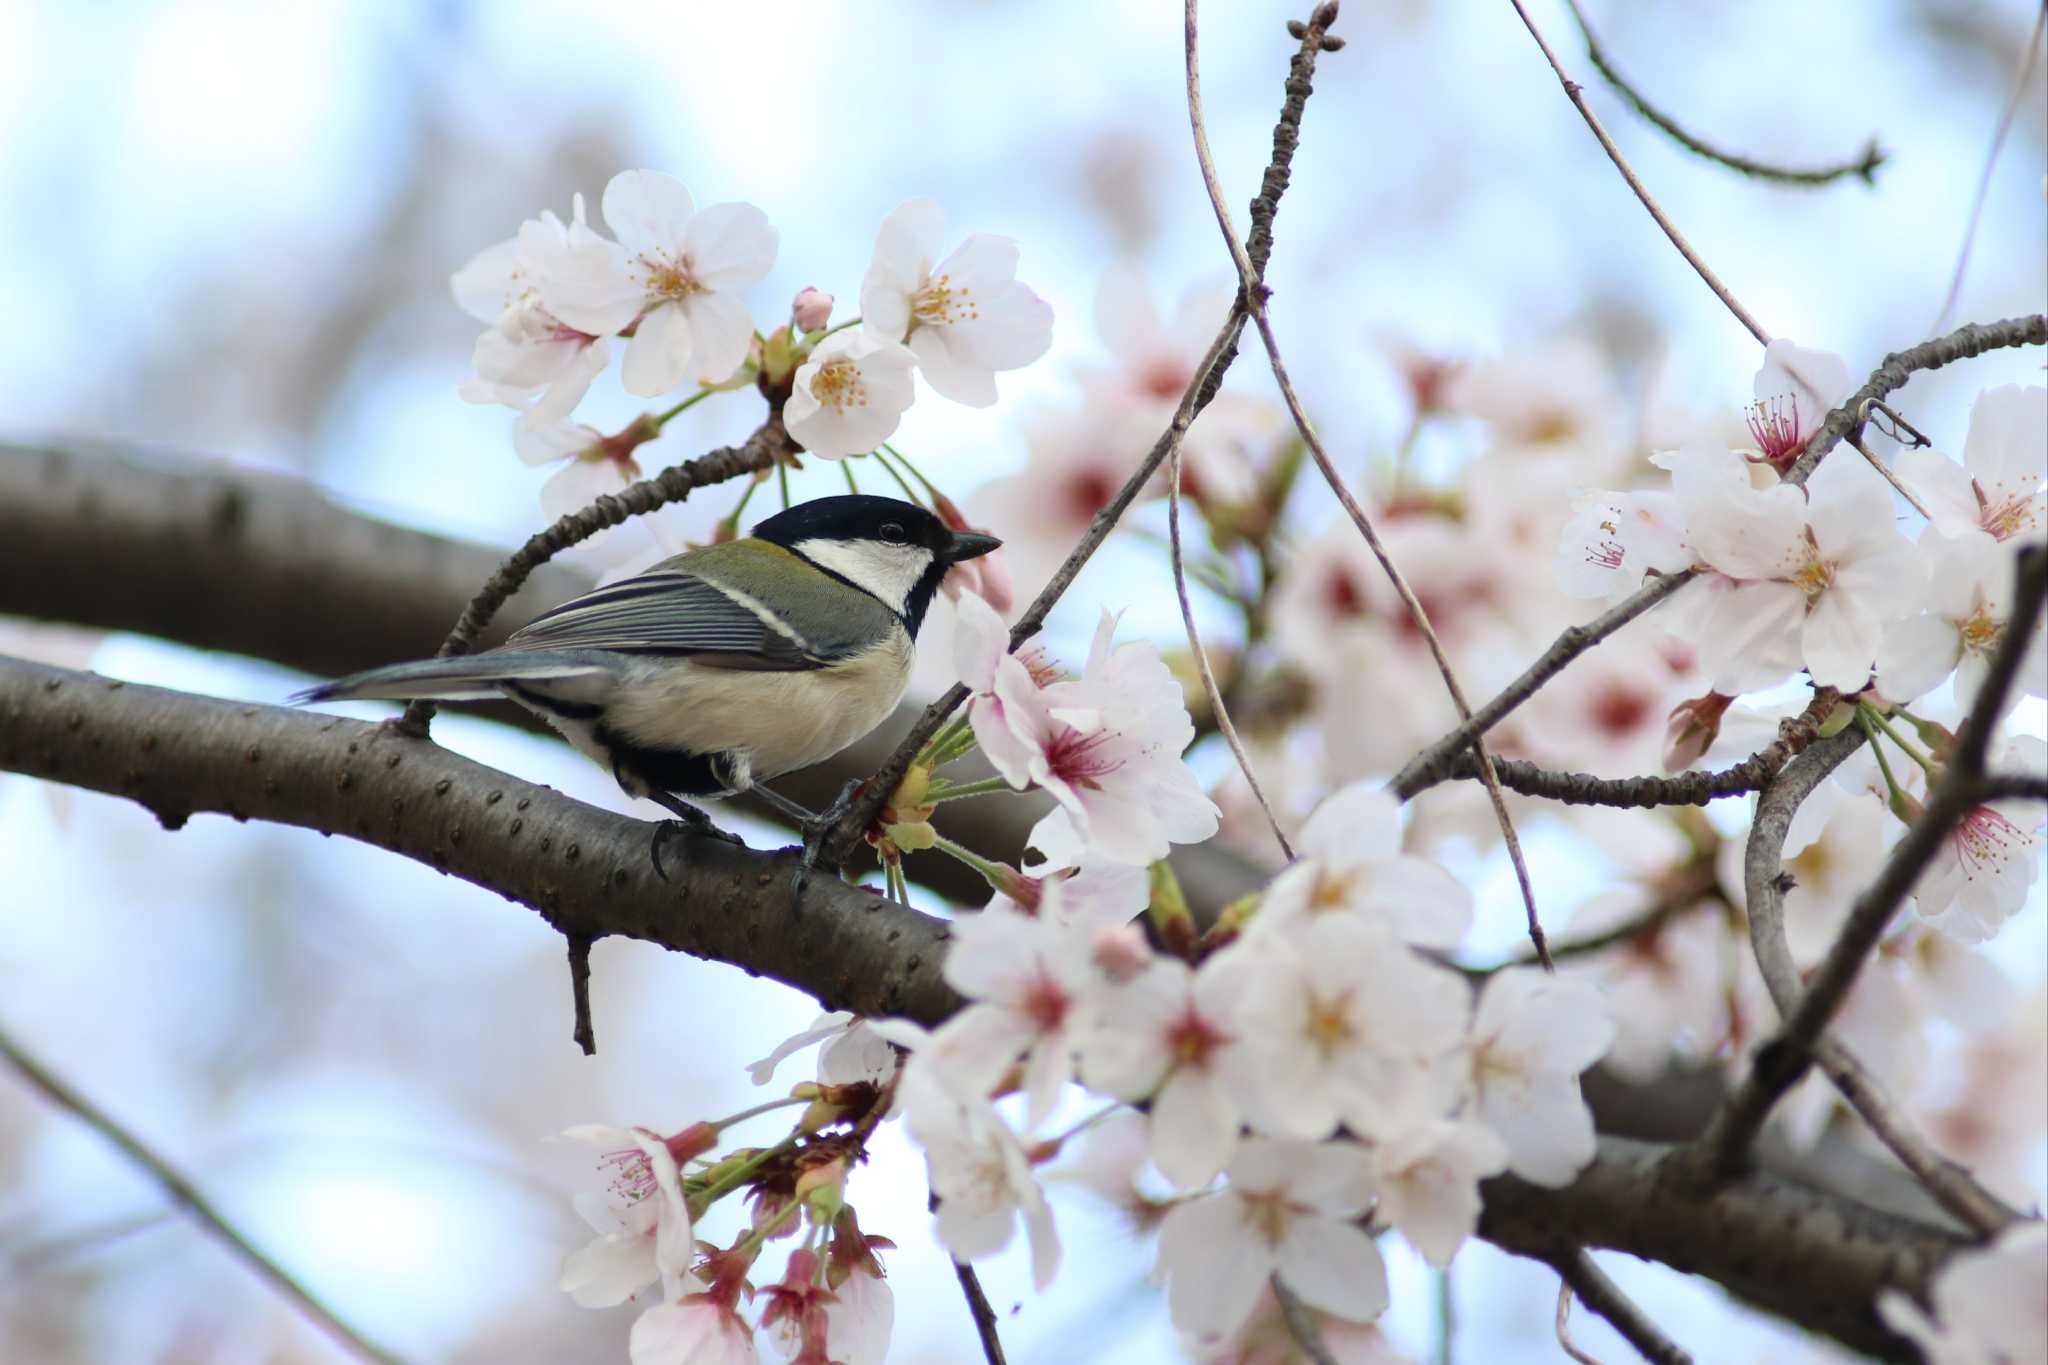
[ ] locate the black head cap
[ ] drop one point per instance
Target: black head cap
(891, 521)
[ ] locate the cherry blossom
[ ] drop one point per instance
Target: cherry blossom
(850, 394)
(1613, 539)
(1349, 1026)
(1795, 388)
(1532, 1035)
(1981, 875)
(1289, 1209)
(673, 269)
(965, 317)
(528, 358)
(1177, 1035)
(1990, 1303)
(1814, 578)
(1031, 980)
(644, 1235)
(1350, 863)
(1965, 606)
(853, 1053)
(697, 1330)
(1106, 747)
(1997, 488)
(1429, 1174)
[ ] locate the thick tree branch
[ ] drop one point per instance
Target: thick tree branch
(588, 872)
(220, 557)
(1809, 1257)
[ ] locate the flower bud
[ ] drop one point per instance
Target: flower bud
(1121, 951)
(812, 309)
(1692, 729)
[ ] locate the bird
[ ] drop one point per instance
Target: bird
(725, 666)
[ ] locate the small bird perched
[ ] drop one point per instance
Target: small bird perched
(722, 666)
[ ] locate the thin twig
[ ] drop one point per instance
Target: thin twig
(1971, 339)
(1885, 472)
(1578, 98)
(1202, 387)
(1695, 886)
(764, 448)
(984, 1316)
(2005, 120)
(1301, 1324)
(1653, 790)
(1253, 296)
(1208, 674)
(1864, 166)
(1601, 1294)
(1564, 1325)
(585, 1034)
(185, 1195)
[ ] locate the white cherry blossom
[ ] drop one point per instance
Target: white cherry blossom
(1106, 746)
(1350, 1025)
(1532, 1035)
(965, 317)
(1350, 863)
(674, 269)
(1981, 875)
(1031, 980)
(644, 1234)
(1795, 389)
(528, 358)
(1178, 1036)
(849, 396)
(1290, 1209)
(1614, 538)
(1997, 488)
(1429, 1174)
(1816, 576)
(697, 1330)
(1966, 605)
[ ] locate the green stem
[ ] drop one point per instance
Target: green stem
(901, 482)
(995, 874)
(758, 1110)
(988, 786)
(1898, 793)
(732, 518)
(1084, 1125)
(915, 472)
(855, 322)
(768, 1229)
(846, 468)
(692, 401)
(1907, 747)
(739, 1175)
(782, 469)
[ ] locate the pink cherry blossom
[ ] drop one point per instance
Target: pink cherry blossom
(1997, 489)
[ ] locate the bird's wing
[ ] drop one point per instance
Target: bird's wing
(674, 614)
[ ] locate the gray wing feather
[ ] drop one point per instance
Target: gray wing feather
(670, 614)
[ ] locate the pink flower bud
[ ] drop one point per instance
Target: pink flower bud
(1692, 729)
(1121, 951)
(812, 309)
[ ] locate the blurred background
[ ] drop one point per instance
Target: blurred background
(226, 232)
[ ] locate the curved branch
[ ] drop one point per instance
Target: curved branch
(1864, 166)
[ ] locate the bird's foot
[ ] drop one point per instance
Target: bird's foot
(690, 823)
(815, 831)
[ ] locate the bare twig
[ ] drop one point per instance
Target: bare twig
(1864, 166)
(1564, 1325)
(1201, 389)
(1971, 339)
(1301, 1324)
(759, 451)
(1652, 790)
(1884, 472)
(1693, 887)
(984, 1316)
(2012, 109)
(1208, 675)
(1578, 98)
(1604, 1296)
(1253, 298)
(186, 1195)
(585, 1034)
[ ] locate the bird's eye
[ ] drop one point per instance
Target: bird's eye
(892, 534)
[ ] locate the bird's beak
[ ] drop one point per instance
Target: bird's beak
(970, 545)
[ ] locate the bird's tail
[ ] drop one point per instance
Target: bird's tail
(462, 677)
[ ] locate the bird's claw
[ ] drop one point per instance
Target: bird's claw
(689, 823)
(815, 832)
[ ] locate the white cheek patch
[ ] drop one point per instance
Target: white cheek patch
(887, 571)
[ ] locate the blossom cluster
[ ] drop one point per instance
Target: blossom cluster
(669, 281)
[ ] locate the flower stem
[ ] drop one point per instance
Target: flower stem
(846, 468)
(738, 1175)
(915, 473)
(692, 401)
(758, 1110)
(1907, 747)
(993, 873)
(894, 473)
(987, 786)
(1898, 793)
(782, 472)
